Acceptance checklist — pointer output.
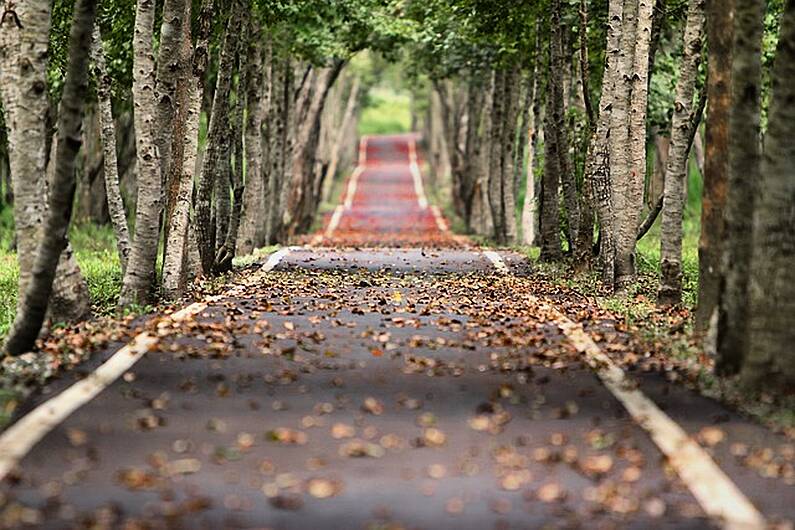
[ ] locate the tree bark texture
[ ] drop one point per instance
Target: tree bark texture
(184, 152)
(720, 31)
(550, 217)
(631, 191)
(171, 67)
(118, 216)
(254, 221)
(744, 175)
(770, 362)
(23, 81)
(33, 308)
(216, 161)
(670, 290)
(139, 276)
(598, 174)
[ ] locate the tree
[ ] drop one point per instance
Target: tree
(33, 307)
(118, 215)
(744, 176)
(770, 361)
(23, 83)
(139, 276)
(670, 291)
(720, 31)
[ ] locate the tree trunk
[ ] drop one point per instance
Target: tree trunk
(184, 152)
(215, 163)
(339, 137)
(720, 33)
(281, 100)
(254, 222)
(299, 206)
(600, 148)
(550, 218)
(508, 187)
(118, 215)
(529, 207)
(560, 102)
(91, 204)
(744, 177)
(171, 67)
(139, 276)
(628, 153)
(32, 310)
(670, 291)
(620, 160)
(584, 244)
(226, 251)
(481, 209)
(770, 362)
(495, 157)
(23, 81)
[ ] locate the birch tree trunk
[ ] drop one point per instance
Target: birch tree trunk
(254, 221)
(720, 33)
(226, 252)
(281, 98)
(670, 291)
(636, 176)
(118, 215)
(23, 82)
(508, 206)
(770, 362)
(31, 312)
(170, 69)
(184, 152)
(597, 166)
(529, 213)
(481, 209)
(215, 164)
(495, 157)
(744, 176)
(139, 276)
(550, 218)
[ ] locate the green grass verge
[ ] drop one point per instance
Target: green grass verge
(95, 250)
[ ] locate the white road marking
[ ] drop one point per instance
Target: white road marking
(440, 222)
(496, 260)
(19, 439)
(422, 200)
(353, 182)
(719, 497)
(276, 258)
(350, 192)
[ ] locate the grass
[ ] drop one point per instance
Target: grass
(386, 112)
(95, 250)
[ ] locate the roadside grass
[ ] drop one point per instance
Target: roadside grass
(95, 250)
(386, 111)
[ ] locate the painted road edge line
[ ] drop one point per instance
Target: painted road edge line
(22, 436)
(350, 191)
(718, 496)
(416, 176)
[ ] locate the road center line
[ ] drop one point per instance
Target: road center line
(718, 496)
(19, 439)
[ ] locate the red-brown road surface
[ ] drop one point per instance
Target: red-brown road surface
(380, 388)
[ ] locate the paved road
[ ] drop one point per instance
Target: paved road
(379, 388)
